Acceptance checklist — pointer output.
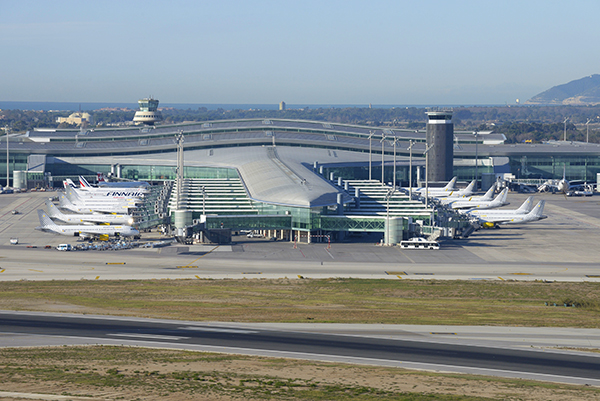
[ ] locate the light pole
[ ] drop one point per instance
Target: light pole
(565, 122)
(394, 143)
(382, 160)
(7, 162)
(371, 133)
(476, 133)
(389, 194)
(410, 146)
(587, 136)
(426, 153)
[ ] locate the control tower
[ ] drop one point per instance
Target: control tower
(148, 112)
(440, 134)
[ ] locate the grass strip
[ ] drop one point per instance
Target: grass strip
(506, 303)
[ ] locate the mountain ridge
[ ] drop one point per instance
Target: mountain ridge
(580, 92)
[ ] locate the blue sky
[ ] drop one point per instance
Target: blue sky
(424, 52)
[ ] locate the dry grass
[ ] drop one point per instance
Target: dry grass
(111, 373)
(334, 300)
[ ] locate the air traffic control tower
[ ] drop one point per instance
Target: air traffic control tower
(440, 134)
(148, 112)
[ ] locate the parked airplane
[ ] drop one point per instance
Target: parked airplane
(54, 213)
(511, 217)
(77, 198)
(104, 193)
(525, 208)
(488, 196)
(499, 200)
(93, 207)
(451, 186)
(84, 230)
(556, 186)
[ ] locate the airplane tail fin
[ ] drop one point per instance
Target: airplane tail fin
(450, 185)
(52, 209)
(469, 189)
(538, 209)
(69, 183)
(100, 177)
(45, 221)
(489, 195)
(501, 197)
(526, 206)
(83, 183)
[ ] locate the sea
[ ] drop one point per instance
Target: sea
(88, 106)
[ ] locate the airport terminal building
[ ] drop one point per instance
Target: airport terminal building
(292, 177)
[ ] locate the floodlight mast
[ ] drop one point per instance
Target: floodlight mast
(389, 194)
(394, 143)
(382, 160)
(7, 159)
(371, 133)
(410, 146)
(426, 153)
(565, 122)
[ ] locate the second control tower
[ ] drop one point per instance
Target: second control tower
(148, 113)
(440, 134)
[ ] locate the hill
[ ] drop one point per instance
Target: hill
(581, 92)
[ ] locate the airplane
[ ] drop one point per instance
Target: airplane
(77, 196)
(103, 193)
(95, 207)
(488, 196)
(139, 186)
(523, 209)
(54, 213)
(556, 186)
(499, 200)
(84, 230)
(510, 217)
(104, 182)
(451, 186)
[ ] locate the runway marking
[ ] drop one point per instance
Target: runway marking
(2, 271)
(39, 271)
(587, 275)
(152, 336)
(424, 274)
(442, 334)
(187, 267)
(520, 274)
(390, 273)
(219, 330)
(329, 253)
(97, 277)
(251, 272)
(400, 277)
(115, 263)
(501, 278)
(197, 277)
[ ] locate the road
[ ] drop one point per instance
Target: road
(402, 348)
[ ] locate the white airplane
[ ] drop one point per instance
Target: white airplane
(499, 200)
(93, 207)
(54, 213)
(105, 193)
(82, 197)
(511, 217)
(556, 186)
(141, 186)
(488, 196)
(84, 230)
(523, 209)
(451, 186)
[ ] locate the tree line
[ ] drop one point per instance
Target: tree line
(517, 123)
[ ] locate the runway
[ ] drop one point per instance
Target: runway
(399, 347)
